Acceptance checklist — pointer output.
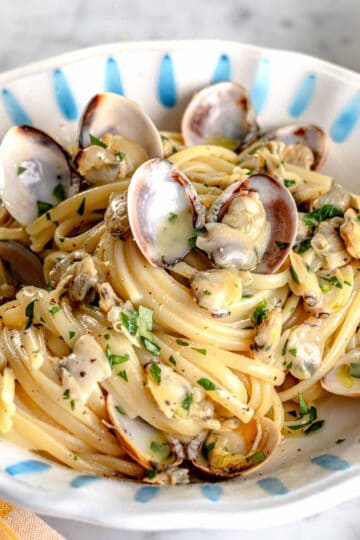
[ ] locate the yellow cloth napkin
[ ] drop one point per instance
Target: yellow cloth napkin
(20, 524)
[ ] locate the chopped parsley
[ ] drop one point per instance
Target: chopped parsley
(66, 394)
(314, 427)
(303, 407)
(294, 275)
(116, 359)
(193, 236)
(288, 183)
(181, 342)
(325, 287)
(247, 295)
(260, 312)
(120, 156)
(123, 375)
(282, 245)
(59, 192)
(333, 280)
(201, 351)
(150, 474)
(20, 170)
(107, 336)
(43, 207)
(72, 404)
(81, 208)
(150, 346)
(206, 449)
(97, 142)
(71, 334)
(187, 401)
(55, 309)
(206, 292)
(257, 457)
(284, 349)
(157, 447)
(354, 370)
(155, 372)
(129, 320)
(206, 384)
(293, 352)
(172, 217)
(328, 211)
(172, 360)
(119, 409)
(29, 312)
(303, 246)
(347, 283)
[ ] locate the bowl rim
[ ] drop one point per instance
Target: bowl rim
(269, 510)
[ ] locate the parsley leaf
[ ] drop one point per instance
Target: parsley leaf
(257, 457)
(260, 312)
(172, 360)
(187, 401)
(150, 346)
(71, 334)
(43, 207)
(303, 246)
(20, 170)
(303, 408)
(66, 394)
(29, 312)
(193, 236)
(282, 245)
(201, 351)
(55, 309)
(181, 342)
(206, 449)
(314, 427)
(59, 192)
(312, 219)
(120, 156)
(129, 320)
(123, 375)
(294, 275)
(155, 371)
(172, 217)
(206, 384)
(119, 409)
(288, 183)
(97, 142)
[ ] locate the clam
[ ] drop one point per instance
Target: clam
(217, 289)
(344, 378)
(219, 114)
(163, 210)
(305, 135)
(303, 350)
(145, 444)
(21, 265)
(34, 173)
(233, 452)
(109, 113)
(251, 225)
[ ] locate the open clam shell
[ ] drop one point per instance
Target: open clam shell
(309, 135)
(23, 267)
(281, 213)
(118, 115)
(344, 378)
(227, 454)
(145, 444)
(219, 114)
(34, 173)
(163, 209)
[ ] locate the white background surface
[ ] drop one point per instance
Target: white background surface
(35, 29)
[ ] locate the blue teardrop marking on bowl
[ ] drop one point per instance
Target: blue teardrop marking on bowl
(145, 494)
(331, 462)
(113, 82)
(166, 86)
(64, 95)
(30, 466)
(346, 120)
(83, 480)
(303, 96)
(15, 111)
(260, 87)
(273, 485)
(212, 492)
(223, 70)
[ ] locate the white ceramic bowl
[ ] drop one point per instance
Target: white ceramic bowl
(308, 474)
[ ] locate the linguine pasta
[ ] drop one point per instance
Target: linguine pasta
(122, 366)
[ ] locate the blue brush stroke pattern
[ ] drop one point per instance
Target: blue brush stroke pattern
(331, 462)
(346, 120)
(260, 87)
(166, 87)
(113, 82)
(145, 494)
(223, 70)
(30, 466)
(83, 480)
(64, 95)
(303, 96)
(273, 485)
(212, 492)
(15, 111)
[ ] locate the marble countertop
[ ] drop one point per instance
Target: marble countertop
(33, 29)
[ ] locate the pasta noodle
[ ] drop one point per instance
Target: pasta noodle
(127, 364)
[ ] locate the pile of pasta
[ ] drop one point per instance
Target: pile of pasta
(219, 356)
